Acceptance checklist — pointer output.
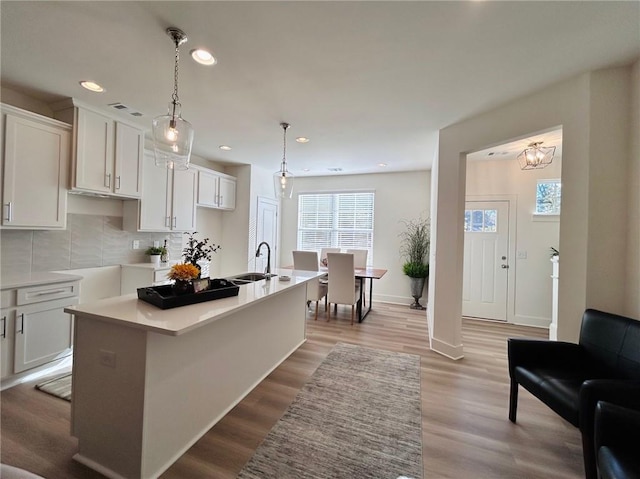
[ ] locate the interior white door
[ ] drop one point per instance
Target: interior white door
(267, 230)
(486, 265)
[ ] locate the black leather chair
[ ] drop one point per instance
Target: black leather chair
(571, 378)
(617, 435)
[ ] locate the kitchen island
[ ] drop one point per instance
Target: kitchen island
(148, 383)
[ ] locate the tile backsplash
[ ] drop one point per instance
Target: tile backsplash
(89, 241)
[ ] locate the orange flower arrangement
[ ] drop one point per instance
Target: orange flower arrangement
(183, 272)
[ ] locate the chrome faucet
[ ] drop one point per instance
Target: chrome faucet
(267, 271)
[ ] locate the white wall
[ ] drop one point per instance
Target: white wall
(530, 301)
(398, 196)
(632, 302)
(593, 112)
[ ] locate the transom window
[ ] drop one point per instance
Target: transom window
(336, 220)
(548, 195)
(480, 221)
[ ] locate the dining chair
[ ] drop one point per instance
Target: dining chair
(360, 262)
(359, 257)
(323, 254)
(316, 290)
(341, 290)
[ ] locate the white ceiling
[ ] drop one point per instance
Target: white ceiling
(368, 82)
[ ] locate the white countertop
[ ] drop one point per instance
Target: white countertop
(150, 265)
(17, 280)
(132, 312)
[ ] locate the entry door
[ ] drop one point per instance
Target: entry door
(486, 250)
(267, 230)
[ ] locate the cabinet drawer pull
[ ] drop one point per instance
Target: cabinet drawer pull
(21, 330)
(107, 180)
(54, 291)
(10, 211)
(4, 326)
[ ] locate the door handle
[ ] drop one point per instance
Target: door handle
(21, 330)
(107, 180)
(504, 266)
(118, 182)
(4, 326)
(10, 211)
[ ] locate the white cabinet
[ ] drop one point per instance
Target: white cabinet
(216, 190)
(7, 320)
(139, 275)
(34, 328)
(107, 153)
(168, 201)
(35, 168)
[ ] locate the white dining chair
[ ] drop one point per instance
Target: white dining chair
(359, 257)
(360, 262)
(323, 254)
(316, 290)
(341, 290)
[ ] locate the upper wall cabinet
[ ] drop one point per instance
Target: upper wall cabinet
(216, 190)
(168, 201)
(107, 153)
(34, 170)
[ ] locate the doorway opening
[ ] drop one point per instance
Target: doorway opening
(508, 236)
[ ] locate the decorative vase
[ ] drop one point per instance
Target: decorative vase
(417, 285)
(182, 287)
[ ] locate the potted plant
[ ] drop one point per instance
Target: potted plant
(183, 274)
(197, 251)
(414, 249)
(155, 252)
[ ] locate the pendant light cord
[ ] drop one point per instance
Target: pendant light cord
(284, 147)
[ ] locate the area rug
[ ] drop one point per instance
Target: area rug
(59, 386)
(357, 417)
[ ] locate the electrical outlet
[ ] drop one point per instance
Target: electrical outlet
(156, 244)
(522, 255)
(136, 244)
(108, 358)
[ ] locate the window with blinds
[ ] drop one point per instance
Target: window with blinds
(336, 220)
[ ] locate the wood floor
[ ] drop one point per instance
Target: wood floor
(466, 433)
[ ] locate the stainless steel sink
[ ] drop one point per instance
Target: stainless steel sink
(247, 278)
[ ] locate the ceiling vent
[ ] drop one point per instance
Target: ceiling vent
(124, 108)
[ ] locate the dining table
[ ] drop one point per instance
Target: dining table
(361, 274)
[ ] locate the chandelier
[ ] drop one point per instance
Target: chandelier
(536, 156)
(282, 179)
(172, 135)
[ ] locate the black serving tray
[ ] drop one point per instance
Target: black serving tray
(164, 298)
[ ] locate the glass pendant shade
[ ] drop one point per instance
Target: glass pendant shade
(172, 140)
(282, 179)
(283, 183)
(536, 156)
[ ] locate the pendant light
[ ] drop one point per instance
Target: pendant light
(282, 179)
(536, 157)
(172, 135)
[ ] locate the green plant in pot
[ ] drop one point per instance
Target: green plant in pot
(414, 250)
(155, 252)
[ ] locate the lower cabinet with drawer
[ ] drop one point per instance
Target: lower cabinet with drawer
(139, 275)
(34, 329)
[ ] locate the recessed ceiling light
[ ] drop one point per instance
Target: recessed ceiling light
(203, 57)
(225, 147)
(382, 165)
(91, 86)
(302, 139)
(306, 169)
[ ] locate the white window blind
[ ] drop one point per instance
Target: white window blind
(336, 220)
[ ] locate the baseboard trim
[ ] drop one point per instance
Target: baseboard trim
(448, 350)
